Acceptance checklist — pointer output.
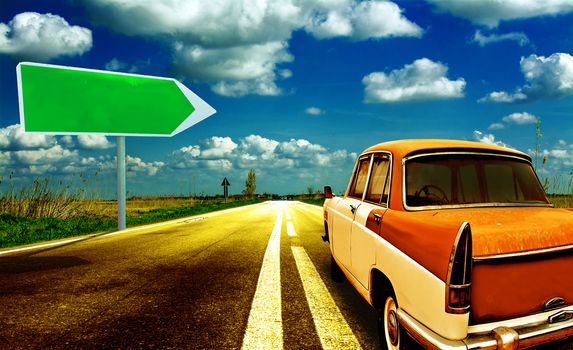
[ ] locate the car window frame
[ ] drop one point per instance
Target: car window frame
(387, 184)
(469, 205)
(352, 186)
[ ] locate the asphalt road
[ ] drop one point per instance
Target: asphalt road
(189, 284)
(255, 277)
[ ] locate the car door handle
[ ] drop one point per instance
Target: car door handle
(377, 218)
(352, 209)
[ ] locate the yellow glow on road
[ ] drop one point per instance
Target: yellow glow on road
(264, 327)
(332, 328)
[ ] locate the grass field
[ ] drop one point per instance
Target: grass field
(101, 216)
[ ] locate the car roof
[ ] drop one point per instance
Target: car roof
(403, 148)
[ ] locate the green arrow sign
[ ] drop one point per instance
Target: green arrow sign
(70, 101)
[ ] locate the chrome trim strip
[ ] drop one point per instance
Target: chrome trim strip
(466, 153)
(529, 335)
(486, 258)
(426, 337)
(477, 205)
(469, 205)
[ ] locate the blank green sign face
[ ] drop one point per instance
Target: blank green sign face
(67, 100)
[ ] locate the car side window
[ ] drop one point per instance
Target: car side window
(359, 181)
(378, 186)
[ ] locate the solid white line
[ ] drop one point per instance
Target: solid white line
(332, 329)
(290, 229)
(264, 327)
(45, 245)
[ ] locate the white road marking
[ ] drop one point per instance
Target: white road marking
(264, 327)
(331, 326)
(288, 215)
(290, 229)
(194, 219)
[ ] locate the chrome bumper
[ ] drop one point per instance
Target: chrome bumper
(501, 338)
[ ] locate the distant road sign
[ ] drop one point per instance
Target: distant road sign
(225, 185)
(71, 101)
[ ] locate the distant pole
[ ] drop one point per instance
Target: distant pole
(121, 192)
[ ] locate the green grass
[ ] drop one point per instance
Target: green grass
(314, 201)
(21, 230)
(561, 201)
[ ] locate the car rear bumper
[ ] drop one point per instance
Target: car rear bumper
(499, 338)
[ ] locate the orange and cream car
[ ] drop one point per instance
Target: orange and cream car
(456, 245)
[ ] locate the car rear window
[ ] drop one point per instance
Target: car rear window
(454, 179)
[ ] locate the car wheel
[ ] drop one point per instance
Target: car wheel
(389, 331)
(336, 273)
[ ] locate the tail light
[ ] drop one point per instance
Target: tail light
(458, 280)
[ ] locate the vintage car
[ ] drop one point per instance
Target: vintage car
(455, 244)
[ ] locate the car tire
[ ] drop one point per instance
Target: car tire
(392, 336)
(336, 273)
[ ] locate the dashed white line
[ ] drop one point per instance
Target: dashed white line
(264, 327)
(290, 229)
(332, 328)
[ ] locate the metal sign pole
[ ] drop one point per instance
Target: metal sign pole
(121, 192)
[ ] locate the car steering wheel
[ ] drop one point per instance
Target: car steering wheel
(440, 197)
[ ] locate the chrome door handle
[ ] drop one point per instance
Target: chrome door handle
(377, 218)
(352, 209)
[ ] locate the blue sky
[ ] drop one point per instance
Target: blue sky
(300, 87)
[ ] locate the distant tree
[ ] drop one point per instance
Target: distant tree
(250, 184)
(310, 191)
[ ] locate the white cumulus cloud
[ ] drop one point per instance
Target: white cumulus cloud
(12, 137)
(362, 20)
(36, 154)
(217, 147)
(94, 142)
(239, 70)
(503, 97)
(424, 79)
(484, 39)
(496, 126)
(546, 77)
(42, 37)
(44, 156)
(255, 151)
(491, 12)
(135, 165)
(313, 111)
(558, 160)
(117, 65)
(487, 138)
(520, 118)
(240, 46)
